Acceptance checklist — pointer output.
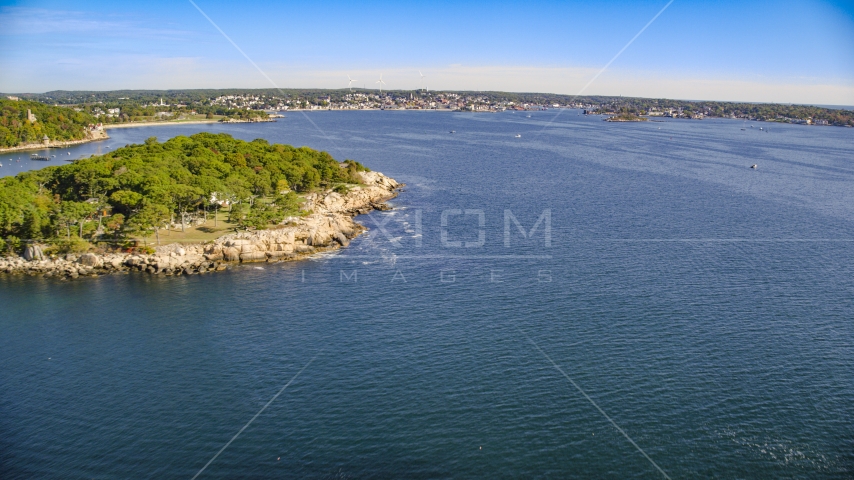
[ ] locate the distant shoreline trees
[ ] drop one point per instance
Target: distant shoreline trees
(139, 105)
(57, 123)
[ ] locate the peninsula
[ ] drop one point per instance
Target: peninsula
(111, 213)
(26, 125)
(33, 125)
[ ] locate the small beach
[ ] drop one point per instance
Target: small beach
(158, 124)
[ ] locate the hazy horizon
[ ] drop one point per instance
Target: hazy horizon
(791, 52)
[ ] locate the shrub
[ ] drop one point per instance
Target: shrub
(260, 216)
(13, 244)
(237, 212)
(289, 203)
(356, 166)
(73, 245)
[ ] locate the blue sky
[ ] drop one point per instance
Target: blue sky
(782, 51)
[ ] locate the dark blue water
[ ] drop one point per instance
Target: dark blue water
(702, 307)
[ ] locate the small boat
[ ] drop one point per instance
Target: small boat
(518, 136)
(754, 166)
(453, 131)
(528, 116)
(38, 157)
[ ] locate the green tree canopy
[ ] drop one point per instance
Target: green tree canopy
(58, 123)
(151, 182)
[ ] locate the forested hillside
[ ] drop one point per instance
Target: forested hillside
(58, 123)
(139, 188)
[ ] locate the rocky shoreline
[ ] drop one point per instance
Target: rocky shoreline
(329, 226)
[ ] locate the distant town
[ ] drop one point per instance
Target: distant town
(128, 106)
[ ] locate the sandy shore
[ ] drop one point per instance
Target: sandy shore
(158, 124)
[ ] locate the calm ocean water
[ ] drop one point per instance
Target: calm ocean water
(702, 307)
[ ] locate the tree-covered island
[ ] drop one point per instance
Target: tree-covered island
(137, 191)
(624, 115)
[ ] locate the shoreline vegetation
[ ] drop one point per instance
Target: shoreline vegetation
(29, 123)
(35, 125)
(115, 213)
(95, 136)
(100, 133)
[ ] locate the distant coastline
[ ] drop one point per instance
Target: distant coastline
(135, 105)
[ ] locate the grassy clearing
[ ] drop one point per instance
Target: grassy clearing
(196, 234)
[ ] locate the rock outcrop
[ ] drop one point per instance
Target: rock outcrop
(328, 225)
(33, 252)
